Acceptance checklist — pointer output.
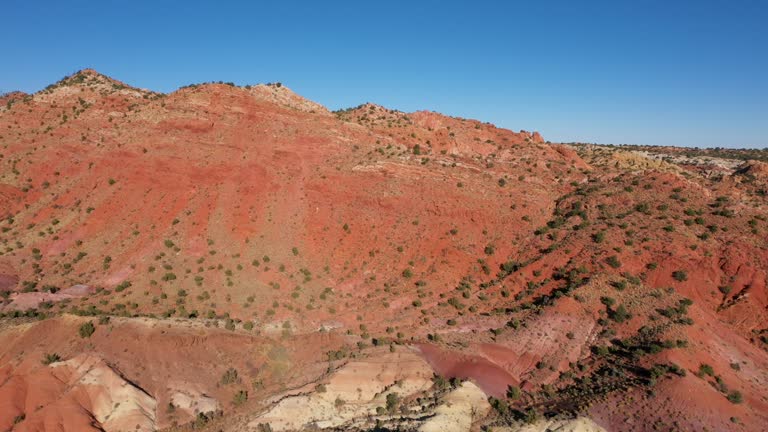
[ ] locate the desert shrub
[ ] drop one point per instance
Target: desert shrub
(735, 397)
(240, 397)
(87, 329)
(229, 324)
(680, 275)
(393, 400)
(51, 358)
(643, 208)
(620, 314)
(705, 369)
(230, 376)
(513, 392)
(608, 301)
(122, 286)
(510, 266)
(619, 285)
(453, 301)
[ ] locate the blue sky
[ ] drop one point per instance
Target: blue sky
(644, 71)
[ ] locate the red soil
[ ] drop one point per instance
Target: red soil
(258, 205)
(493, 379)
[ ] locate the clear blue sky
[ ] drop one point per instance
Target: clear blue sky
(642, 71)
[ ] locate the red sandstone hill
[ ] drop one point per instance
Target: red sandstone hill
(587, 285)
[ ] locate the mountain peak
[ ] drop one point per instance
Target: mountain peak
(96, 81)
(274, 93)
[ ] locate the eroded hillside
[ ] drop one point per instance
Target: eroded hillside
(229, 257)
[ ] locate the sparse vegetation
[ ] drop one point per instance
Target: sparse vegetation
(51, 358)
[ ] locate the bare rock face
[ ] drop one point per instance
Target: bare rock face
(379, 387)
(354, 392)
(193, 401)
(83, 393)
(281, 95)
(458, 410)
(638, 161)
(115, 403)
(581, 424)
(753, 171)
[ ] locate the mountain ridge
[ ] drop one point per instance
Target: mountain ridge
(562, 280)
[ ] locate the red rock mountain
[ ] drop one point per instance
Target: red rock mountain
(157, 242)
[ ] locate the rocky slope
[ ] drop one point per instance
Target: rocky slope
(241, 258)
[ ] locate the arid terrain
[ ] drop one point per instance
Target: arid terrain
(239, 258)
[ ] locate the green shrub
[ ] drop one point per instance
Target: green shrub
(608, 301)
(680, 275)
(705, 369)
(393, 400)
(513, 392)
(240, 397)
(87, 329)
(735, 397)
(620, 314)
(230, 376)
(51, 358)
(122, 286)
